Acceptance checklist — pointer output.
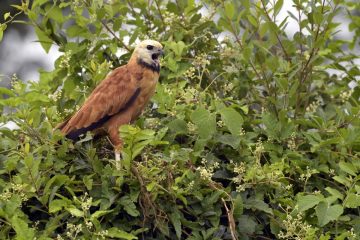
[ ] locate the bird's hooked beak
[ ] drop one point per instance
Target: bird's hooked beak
(155, 56)
(161, 52)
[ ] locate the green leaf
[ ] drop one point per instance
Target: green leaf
(343, 180)
(178, 126)
(278, 6)
(2, 29)
(326, 213)
(74, 211)
(23, 232)
(100, 213)
(335, 192)
(205, 122)
(56, 14)
(264, 27)
(129, 206)
(229, 10)
(175, 219)
(6, 15)
(352, 200)
(259, 205)
(88, 181)
(252, 20)
(44, 40)
(7, 92)
(177, 47)
(56, 205)
(231, 140)
(308, 201)
(38, 3)
(247, 225)
(238, 207)
(118, 233)
(232, 119)
(348, 168)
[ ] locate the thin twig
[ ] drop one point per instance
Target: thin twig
(230, 216)
(116, 37)
(161, 16)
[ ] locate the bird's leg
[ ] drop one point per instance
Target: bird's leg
(117, 156)
(117, 159)
(117, 143)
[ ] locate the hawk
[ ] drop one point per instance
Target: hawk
(120, 98)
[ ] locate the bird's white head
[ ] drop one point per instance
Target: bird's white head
(148, 53)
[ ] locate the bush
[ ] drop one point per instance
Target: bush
(252, 134)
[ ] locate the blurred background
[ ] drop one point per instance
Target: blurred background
(20, 53)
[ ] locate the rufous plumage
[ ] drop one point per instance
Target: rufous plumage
(120, 98)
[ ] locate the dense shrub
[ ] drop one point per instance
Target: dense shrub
(252, 134)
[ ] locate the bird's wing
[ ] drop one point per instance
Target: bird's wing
(112, 95)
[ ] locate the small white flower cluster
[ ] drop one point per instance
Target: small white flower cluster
(55, 96)
(86, 202)
(201, 61)
(89, 224)
(59, 237)
(242, 132)
(206, 172)
(352, 234)
(240, 170)
(65, 59)
(102, 234)
(190, 73)
(73, 230)
(313, 106)
(228, 52)
(152, 122)
(170, 18)
(82, 90)
(6, 195)
(190, 186)
(305, 176)
(76, 5)
(295, 228)
(306, 55)
(229, 87)
(291, 143)
(15, 82)
(14, 188)
(220, 123)
(288, 187)
(65, 112)
(345, 95)
(259, 147)
(191, 127)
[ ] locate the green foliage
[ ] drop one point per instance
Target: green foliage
(252, 133)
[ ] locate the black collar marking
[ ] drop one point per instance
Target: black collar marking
(74, 135)
(155, 67)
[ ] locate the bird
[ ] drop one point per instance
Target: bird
(119, 99)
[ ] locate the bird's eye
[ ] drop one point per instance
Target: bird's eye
(149, 47)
